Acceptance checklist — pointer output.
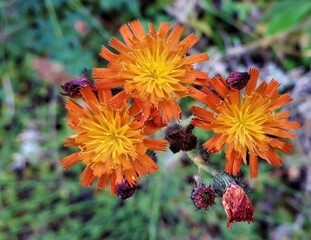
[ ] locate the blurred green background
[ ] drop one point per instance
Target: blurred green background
(46, 43)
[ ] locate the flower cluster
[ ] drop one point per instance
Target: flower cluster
(137, 94)
(236, 203)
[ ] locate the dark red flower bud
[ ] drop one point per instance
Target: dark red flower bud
(180, 138)
(238, 80)
(203, 196)
(125, 190)
(237, 205)
(72, 88)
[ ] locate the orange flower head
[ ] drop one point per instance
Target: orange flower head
(111, 142)
(152, 67)
(245, 123)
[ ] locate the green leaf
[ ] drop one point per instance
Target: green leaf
(284, 15)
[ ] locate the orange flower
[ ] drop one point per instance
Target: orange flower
(111, 142)
(152, 67)
(245, 123)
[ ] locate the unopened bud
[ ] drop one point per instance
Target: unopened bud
(72, 88)
(203, 196)
(125, 190)
(238, 80)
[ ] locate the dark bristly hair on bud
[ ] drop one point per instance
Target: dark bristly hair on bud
(72, 88)
(125, 190)
(203, 196)
(152, 154)
(238, 80)
(221, 181)
(180, 138)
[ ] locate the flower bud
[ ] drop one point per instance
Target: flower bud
(238, 80)
(203, 196)
(72, 88)
(237, 205)
(125, 190)
(180, 138)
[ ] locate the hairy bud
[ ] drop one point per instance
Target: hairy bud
(72, 88)
(238, 80)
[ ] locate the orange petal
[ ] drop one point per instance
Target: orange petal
(155, 144)
(131, 176)
(108, 55)
(220, 86)
(70, 141)
(174, 36)
(187, 43)
(146, 109)
(126, 34)
(272, 87)
(72, 106)
(165, 110)
(281, 115)
(278, 132)
(139, 168)
(113, 187)
(197, 58)
(201, 124)
(137, 29)
(229, 159)
(90, 98)
(136, 106)
(215, 143)
(150, 127)
(163, 30)
(104, 95)
(87, 177)
(175, 109)
(203, 113)
(237, 160)
(281, 145)
(102, 182)
(253, 164)
(273, 158)
(148, 163)
(70, 160)
(251, 85)
(119, 99)
(118, 45)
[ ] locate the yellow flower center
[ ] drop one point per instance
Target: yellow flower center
(108, 136)
(155, 71)
(242, 121)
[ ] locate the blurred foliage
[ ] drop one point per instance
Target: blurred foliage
(44, 43)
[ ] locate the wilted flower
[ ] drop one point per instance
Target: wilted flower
(245, 123)
(111, 142)
(180, 138)
(237, 205)
(152, 67)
